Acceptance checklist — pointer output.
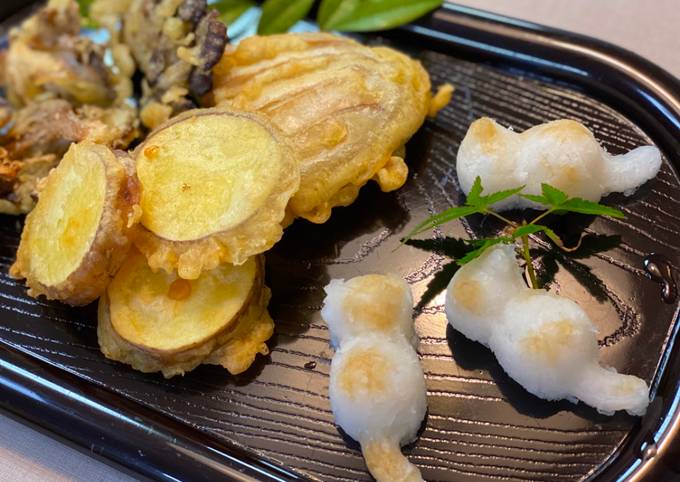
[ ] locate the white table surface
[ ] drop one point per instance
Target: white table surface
(648, 27)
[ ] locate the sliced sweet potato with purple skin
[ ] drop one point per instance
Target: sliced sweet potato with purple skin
(155, 321)
(81, 228)
(215, 186)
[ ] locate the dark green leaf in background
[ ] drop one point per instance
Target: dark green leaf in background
(84, 6)
(85, 20)
(330, 9)
(280, 15)
(371, 15)
(230, 10)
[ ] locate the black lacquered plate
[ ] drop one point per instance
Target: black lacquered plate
(274, 421)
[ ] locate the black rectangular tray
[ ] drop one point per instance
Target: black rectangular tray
(274, 422)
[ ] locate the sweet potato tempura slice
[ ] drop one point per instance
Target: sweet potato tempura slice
(215, 188)
(348, 108)
(80, 230)
(160, 322)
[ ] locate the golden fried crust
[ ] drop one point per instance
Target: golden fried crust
(234, 347)
(40, 134)
(255, 198)
(108, 243)
(349, 110)
(48, 58)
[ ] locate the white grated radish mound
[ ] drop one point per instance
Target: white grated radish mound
(369, 304)
(377, 386)
(543, 341)
(562, 153)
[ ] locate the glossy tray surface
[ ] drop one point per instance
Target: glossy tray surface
(481, 425)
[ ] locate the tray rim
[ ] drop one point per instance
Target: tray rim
(49, 398)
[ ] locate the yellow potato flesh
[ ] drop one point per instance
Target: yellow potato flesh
(146, 311)
(206, 174)
(65, 220)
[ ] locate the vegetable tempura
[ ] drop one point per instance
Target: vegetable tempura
(348, 108)
(80, 231)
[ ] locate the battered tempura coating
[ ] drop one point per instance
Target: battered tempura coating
(215, 186)
(40, 134)
(80, 230)
(160, 322)
(348, 108)
(47, 58)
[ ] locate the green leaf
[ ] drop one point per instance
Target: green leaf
(535, 198)
(474, 196)
(230, 10)
(84, 6)
(578, 205)
(501, 195)
(85, 20)
(331, 9)
(483, 244)
(554, 196)
(475, 203)
(443, 217)
(280, 15)
(551, 196)
(527, 229)
(371, 15)
(558, 201)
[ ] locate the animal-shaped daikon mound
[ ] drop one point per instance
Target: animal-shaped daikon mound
(372, 303)
(562, 153)
(377, 387)
(545, 342)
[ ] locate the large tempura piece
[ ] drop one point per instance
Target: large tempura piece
(79, 232)
(174, 43)
(562, 153)
(60, 91)
(160, 322)
(348, 108)
(377, 386)
(48, 58)
(545, 342)
(215, 185)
